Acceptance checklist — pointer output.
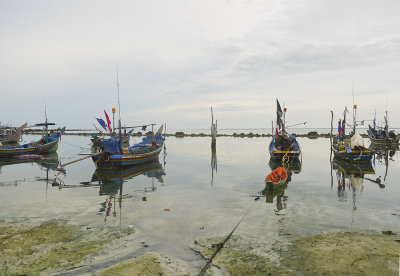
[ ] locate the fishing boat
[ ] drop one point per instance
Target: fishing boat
(9, 135)
(48, 143)
(350, 147)
(112, 155)
(283, 145)
(277, 177)
(382, 135)
(276, 184)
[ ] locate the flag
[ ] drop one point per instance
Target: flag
(278, 115)
(278, 109)
(102, 123)
(108, 121)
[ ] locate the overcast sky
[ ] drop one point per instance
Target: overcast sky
(177, 58)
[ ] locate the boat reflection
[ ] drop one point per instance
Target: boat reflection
(384, 154)
(46, 162)
(271, 191)
(350, 177)
(110, 183)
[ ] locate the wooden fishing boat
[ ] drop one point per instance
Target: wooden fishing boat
(47, 144)
(113, 156)
(342, 150)
(12, 135)
(283, 145)
(382, 135)
(350, 147)
(277, 177)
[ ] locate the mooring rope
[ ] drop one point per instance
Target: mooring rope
(221, 245)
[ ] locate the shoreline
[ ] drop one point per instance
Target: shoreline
(180, 134)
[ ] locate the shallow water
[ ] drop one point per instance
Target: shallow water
(183, 198)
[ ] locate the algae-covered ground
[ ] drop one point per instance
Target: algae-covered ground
(49, 247)
(150, 264)
(336, 253)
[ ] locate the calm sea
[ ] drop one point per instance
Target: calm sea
(194, 192)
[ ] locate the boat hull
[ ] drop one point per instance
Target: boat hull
(40, 147)
(356, 155)
(124, 160)
(291, 151)
(278, 177)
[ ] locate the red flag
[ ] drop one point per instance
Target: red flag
(108, 121)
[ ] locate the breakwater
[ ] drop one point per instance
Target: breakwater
(311, 134)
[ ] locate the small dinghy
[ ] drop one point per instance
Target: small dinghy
(277, 177)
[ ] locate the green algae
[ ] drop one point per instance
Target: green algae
(151, 263)
(348, 253)
(337, 253)
(50, 246)
(147, 264)
(237, 257)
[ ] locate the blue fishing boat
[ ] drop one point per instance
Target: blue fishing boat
(48, 143)
(350, 147)
(112, 154)
(283, 145)
(382, 135)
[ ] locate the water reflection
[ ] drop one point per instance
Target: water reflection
(213, 162)
(271, 191)
(350, 177)
(110, 183)
(384, 154)
(46, 162)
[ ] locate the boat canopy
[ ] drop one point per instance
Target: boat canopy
(111, 146)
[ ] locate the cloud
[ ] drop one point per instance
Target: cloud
(177, 58)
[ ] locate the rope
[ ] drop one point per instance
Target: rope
(221, 245)
(82, 148)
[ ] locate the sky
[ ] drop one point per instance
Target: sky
(177, 58)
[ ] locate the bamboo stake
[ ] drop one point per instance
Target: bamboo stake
(80, 159)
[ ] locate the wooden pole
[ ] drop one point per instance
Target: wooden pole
(80, 159)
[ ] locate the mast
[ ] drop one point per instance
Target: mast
(344, 123)
(119, 114)
(354, 118)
